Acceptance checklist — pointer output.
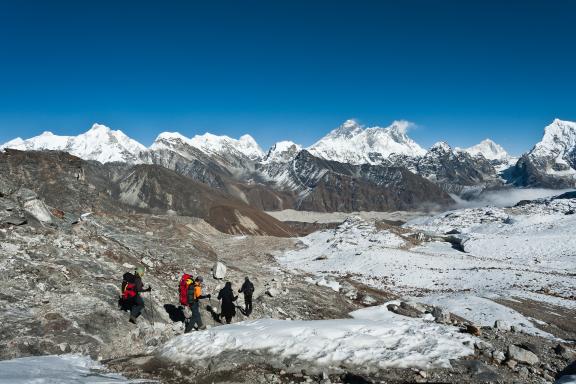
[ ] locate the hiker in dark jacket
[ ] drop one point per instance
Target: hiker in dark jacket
(228, 308)
(248, 290)
(194, 297)
(138, 305)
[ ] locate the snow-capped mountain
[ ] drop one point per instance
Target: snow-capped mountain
(99, 143)
(235, 155)
(493, 152)
(456, 171)
(221, 145)
(559, 146)
(489, 149)
(279, 177)
(552, 161)
(353, 143)
(282, 152)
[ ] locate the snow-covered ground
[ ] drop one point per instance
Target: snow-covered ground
(63, 369)
(482, 311)
(514, 252)
(374, 338)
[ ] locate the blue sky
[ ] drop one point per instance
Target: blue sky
(461, 70)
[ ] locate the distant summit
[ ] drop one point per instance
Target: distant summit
(551, 163)
(355, 144)
(489, 149)
(99, 143)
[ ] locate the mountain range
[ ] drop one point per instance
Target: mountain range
(352, 168)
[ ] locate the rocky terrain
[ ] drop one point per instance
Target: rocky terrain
(71, 184)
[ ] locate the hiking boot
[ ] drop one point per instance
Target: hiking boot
(132, 320)
(202, 328)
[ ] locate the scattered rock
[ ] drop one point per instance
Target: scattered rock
(482, 345)
(14, 220)
(511, 364)
(147, 262)
(402, 311)
(441, 316)
(57, 213)
(368, 300)
(522, 355)
(565, 352)
(413, 307)
(498, 356)
(473, 330)
(272, 292)
(502, 325)
(524, 372)
(348, 290)
(480, 370)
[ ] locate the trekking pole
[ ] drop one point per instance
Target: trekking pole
(152, 306)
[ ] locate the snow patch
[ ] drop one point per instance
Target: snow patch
(373, 338)
(63, 369)
(482, 311)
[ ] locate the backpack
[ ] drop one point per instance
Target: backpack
(128, 286)
(183, 288)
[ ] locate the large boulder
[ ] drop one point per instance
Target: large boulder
(219, 270)
(413, 307)
(522, 355)
(403, 311)
(441, 316)
(33, 205)
(348, 290)
(272, 292)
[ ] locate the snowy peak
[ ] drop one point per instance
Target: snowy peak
(555, 154)
(99, 143)
(222, 145)
(489, 149)
(441, 146)
(106, 145)
(559, 138)
(211, 144)
(169, 140)
(355, 144)
(282, 152)
(250, 147)
(14, 143)
(348, 129)
(99, 128)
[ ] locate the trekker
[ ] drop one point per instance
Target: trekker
(228, 308)
(194, 297)
(138, 305)
(248, 289)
